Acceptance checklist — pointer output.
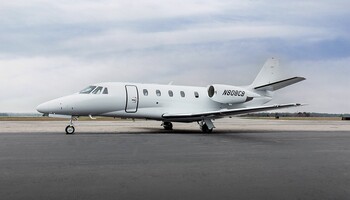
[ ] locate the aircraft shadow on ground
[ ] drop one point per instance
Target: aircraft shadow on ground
(248, 136)
(142, 131)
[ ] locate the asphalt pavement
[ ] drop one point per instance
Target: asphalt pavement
(250, 164)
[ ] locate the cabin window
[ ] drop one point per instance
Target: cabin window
(158, 93)
(87, 90)
(171, 94)
(105, 91)
(145, 92)
(98, 90)
(182, 93)
(196, 94)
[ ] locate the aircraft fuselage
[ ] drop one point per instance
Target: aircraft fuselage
(148, 101)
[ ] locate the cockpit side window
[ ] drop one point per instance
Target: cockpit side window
(87, 90)
(105, 91)
(98, 90)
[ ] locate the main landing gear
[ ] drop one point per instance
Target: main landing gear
(167, 125)
(70, 128)
(206, 125)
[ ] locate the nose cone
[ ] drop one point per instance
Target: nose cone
(43, 108)
(55, 106)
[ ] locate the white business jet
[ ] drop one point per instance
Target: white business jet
(171, 103)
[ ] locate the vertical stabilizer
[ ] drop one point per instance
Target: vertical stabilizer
(269, 73)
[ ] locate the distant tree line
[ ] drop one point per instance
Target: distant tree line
(20, 114)
(297, 114)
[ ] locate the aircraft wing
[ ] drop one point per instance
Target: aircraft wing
(227, 112)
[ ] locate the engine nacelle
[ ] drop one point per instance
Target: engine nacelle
(228, 94)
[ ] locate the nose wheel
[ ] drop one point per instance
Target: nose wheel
(70, 128)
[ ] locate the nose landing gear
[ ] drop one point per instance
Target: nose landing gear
(70, 128)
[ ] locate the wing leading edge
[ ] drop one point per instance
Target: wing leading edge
(227, 112)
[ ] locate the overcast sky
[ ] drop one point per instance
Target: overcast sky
(51, 48)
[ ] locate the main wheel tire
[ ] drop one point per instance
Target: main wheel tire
(70, 130)
(205, 129)
(168, 125)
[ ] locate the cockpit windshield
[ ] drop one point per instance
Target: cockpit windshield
(87, 90)
(98, 90)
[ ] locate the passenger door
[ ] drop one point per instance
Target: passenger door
(132, 99)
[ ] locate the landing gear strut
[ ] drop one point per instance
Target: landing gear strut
(167, 125)
(70, 128)
(206, 125)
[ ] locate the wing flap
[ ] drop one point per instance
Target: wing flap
(228, 112)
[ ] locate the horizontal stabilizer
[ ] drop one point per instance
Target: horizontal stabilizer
(279, 84)
(271, 77)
